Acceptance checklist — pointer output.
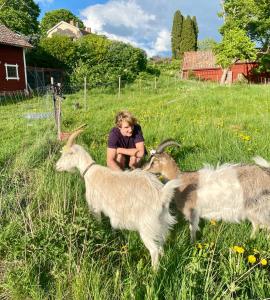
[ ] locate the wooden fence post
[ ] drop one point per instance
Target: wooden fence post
(85, 105)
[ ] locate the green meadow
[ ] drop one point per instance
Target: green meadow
(51, 247)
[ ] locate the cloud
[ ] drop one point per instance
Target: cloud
(147, 23)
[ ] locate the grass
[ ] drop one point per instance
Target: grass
(52, 248)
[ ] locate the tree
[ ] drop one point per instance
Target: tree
(207, 44)
(246, 24)
(20, 15)
(176, 34)
(196, 30)
(235, 45)
(53, 17)
(253, 16)
(188, 38)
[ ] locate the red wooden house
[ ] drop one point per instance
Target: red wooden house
(202, 64)
(12, 61)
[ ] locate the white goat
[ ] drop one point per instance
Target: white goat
(133, 200)
(231, 192)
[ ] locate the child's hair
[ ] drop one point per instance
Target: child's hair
(125, 116)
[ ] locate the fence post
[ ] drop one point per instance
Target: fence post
(85, 105)
(119, 86)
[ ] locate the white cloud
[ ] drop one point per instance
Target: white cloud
(147, 23)
(163, 41)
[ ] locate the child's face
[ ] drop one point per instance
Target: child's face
(126, 129)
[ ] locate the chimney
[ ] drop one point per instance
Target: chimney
(71, 22)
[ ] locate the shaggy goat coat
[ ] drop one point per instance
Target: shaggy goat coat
(231, 192)
(134, 200)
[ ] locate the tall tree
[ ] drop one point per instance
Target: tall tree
(20, 15)
(176, 34)
(196, 30)
(235, 45)
(253, 16)
(53, 17)
(246, 23)
(188, 38)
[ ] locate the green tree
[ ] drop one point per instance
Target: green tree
(253, 16)
(176, 34)
(57, 51)
(53, 17)
(207, 44)
(235, 45)
(196, 30)
(20, 15)
(188, 38)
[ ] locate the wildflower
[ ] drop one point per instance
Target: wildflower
(213, 222)
(263, 262)
(256, 251)
(251, 259)
(124, 249)
(199, 246)
(238, 249)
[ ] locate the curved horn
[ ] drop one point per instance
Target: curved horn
(72, 137)
(166, 143)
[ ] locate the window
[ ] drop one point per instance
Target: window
(12, 72)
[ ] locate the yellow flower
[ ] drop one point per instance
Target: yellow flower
(263, 262)
(251, 259)
(213, 222)
(256, 251)
(238, 249)
(199, 245)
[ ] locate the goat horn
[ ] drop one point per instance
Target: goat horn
(80, 127)
(72, 137)
(166, 143)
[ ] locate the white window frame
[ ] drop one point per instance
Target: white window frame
(17, 72)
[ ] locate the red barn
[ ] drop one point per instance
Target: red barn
(12, 61)
(202, 64)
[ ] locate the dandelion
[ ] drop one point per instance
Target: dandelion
(263, 262)
(199, 246)
(251, 259)
(238, 249)
(213, 222)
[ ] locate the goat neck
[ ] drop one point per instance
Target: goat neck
(170, 170)
(84, 159)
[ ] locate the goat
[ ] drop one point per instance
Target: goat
(133, 200)
(230, 192)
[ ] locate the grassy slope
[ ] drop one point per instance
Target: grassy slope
(51, 248)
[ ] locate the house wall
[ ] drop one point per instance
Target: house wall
(65, 29)
(206, 74)
(11, 55)
(237, 69)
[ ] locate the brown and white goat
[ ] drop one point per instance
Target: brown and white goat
(230, 192)
(134, 200)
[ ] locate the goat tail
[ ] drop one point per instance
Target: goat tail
(168, 191)
(261, 162)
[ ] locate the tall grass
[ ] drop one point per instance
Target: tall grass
(52, 248)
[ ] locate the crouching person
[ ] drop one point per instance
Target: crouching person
(125, 143)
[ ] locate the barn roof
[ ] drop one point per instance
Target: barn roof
(199, 60)
(8, 37)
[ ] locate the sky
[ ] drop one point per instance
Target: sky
(142, 23)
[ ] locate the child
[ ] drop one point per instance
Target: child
(125, 143)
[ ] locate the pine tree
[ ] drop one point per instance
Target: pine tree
(196, 29)
(188, 37)
(176, 34)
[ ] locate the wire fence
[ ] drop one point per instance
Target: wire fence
(43, 105)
